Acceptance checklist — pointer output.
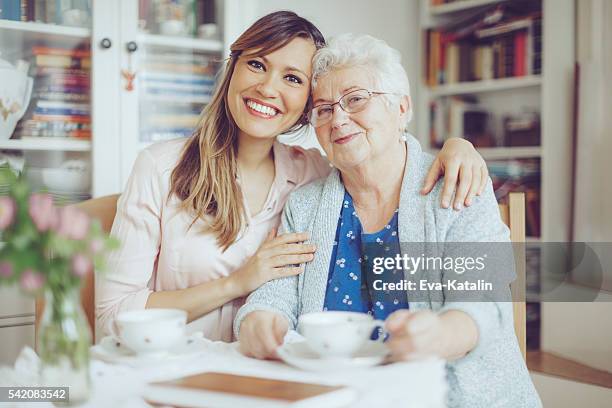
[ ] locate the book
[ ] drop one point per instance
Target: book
(62, 61)
(504, 28)
(65, 118)
(43, 71)
(520, 54)
(10, 10)
(231, 390)
(79, 53)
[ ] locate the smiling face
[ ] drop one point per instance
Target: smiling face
(351, 139)
(267, 94)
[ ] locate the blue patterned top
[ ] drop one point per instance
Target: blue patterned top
(350, 289)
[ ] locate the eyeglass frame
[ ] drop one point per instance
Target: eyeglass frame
(331, 105)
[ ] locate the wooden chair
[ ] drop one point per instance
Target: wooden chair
(102, 209)
(513, 215)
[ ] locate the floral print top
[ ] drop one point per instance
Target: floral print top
(350, 283)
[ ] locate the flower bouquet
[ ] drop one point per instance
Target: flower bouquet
(48, 251)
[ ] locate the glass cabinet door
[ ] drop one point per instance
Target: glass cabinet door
(172, 51)
(45, 88)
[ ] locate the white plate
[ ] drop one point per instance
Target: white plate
(111, 350)
(301, 356)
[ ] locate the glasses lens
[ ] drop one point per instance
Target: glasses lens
(320, 115)
(355, 101)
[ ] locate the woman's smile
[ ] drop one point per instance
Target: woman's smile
(260, 109)
(347, 138)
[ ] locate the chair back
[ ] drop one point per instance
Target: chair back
(513, 215)
(102, 209)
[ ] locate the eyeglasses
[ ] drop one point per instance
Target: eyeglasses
(352, 102)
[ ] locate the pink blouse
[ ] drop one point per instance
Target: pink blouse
(159, 252)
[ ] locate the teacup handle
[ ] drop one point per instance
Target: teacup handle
(382, 333)
(115, 332)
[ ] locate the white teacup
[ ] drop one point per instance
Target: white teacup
(337, 334)
(151, 330)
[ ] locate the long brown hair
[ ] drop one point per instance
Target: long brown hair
(205, 177)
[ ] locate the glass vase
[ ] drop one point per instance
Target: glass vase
(64, 338)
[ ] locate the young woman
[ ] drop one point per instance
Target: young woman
(198, 216)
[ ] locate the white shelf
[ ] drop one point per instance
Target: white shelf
(510, 152)
(46, 143)
(492, 85)
(42, 28)
(460, 6)
(186, 43)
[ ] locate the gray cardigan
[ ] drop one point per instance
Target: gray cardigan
(494, 373)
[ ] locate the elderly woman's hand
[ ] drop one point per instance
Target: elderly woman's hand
(414, 335)
(458, 160)
(261, 333)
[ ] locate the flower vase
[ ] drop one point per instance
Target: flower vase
(64, 339)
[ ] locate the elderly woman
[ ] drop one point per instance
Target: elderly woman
(361, 105)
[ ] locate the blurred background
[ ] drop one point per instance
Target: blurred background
(85, 85)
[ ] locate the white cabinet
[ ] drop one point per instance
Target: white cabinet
(16, 323)
(13, 338)
(110, 77)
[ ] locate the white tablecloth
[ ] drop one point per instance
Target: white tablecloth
(411, 384)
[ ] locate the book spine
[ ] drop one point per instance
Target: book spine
(23, 10)
(11, 10)
(64, 118)
(62, 61)
(39, 50)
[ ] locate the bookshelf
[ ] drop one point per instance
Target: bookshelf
(546, 92)
(493, 85)
(46, 144)
(33, 30)
(460, 5)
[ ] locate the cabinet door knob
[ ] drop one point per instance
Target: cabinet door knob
(131, 46)
(106, 43)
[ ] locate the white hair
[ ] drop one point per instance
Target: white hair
(376, 56)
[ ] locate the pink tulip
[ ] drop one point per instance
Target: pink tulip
(31, 280)
(96, 245)
(74, 223)
(7, 211)
(6, 269)
(81, 265)
(44, 214)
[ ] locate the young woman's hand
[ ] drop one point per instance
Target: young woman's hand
(277, 257)
(464, 169)
(261, 333)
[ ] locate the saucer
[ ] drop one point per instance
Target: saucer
(300, 355)
(111, 350)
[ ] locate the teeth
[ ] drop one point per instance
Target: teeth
(266, 110)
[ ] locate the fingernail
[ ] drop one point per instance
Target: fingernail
(445, 204)
(458, 206)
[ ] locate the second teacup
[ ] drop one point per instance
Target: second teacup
(337, 334)
(151, 330)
